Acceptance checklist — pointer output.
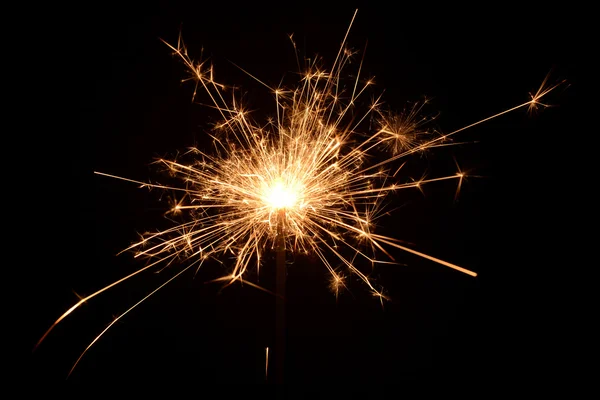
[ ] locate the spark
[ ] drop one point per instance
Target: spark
(309, 167)
(405, 130)
(266, 363)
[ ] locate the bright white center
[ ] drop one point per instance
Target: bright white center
(279, 195)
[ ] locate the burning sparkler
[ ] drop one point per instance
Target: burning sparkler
(302, 182)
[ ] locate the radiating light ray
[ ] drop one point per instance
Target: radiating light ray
(313, 166)
(542, 91)
(124, 313)
(86, 298)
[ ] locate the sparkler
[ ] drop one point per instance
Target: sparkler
(302, 182)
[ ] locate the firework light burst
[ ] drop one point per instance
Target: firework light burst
(308, 172)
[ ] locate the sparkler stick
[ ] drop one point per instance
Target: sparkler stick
(280, 338)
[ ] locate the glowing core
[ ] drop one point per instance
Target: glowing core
(281, 195)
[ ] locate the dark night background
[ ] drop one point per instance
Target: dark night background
(439, 323)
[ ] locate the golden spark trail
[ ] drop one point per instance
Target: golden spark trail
(123, 314)
(542, 91)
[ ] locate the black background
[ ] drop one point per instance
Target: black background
(132, 107)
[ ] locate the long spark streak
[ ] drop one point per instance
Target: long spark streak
(266, 363)
(124, 313)
(531, 103)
